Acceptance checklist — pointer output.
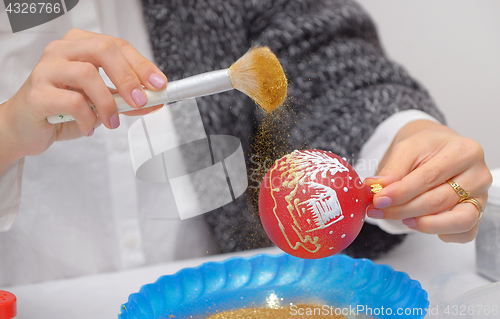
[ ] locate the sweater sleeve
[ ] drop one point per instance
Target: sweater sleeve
(341, 87)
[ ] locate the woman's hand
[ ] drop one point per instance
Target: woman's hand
(63, 80)
(423, 156)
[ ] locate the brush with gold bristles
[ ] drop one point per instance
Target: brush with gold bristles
(258, 74)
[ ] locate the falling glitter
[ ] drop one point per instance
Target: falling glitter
(269, 144)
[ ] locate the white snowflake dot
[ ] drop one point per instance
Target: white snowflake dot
(356, 200)
(346, 189)
(304, 191)
(331, 248)
(343, 236)
(350, 178)
(352, 215)
(331, 232)
(345, 159)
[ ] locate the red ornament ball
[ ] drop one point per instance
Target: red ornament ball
(312, 203)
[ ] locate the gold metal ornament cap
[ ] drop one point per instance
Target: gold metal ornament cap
(376, 188)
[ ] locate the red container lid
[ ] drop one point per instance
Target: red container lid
(8, 307)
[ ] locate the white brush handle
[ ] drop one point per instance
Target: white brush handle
(194, 86)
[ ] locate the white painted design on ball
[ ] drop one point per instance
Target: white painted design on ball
(323, 163)
(322, 209)
(324, 206)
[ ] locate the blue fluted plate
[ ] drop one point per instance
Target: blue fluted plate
(353, 285)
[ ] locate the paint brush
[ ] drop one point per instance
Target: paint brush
(258, 74)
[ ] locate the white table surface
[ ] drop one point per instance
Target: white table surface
(444, 270)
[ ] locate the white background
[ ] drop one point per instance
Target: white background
(453, 48)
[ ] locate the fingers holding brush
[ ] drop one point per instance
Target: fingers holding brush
(66, 80)
(129, 71)
(148, 73)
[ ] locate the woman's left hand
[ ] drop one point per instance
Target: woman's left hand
(414, 174)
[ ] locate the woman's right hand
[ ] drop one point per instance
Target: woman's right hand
(63, 80)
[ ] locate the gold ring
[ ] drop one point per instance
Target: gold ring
(477, 204)
(459, 190)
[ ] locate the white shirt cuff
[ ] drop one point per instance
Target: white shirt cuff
(374, 150)
(10, 194)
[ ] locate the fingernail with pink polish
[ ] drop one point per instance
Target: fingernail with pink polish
(410, 222)
(157, 80)
(114, 120)
(139, 97)
(91, 132)
(382, 202)
(375, 213)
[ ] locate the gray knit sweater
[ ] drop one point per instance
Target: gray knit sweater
(341, 87)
